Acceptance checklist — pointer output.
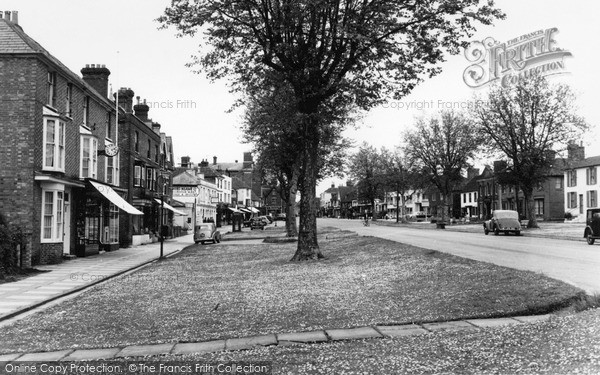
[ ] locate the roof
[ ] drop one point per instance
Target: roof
(229, 167)
(185, 178)
(14, 41)
(471, 185)
(587, 162)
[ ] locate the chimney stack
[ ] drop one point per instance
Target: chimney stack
(96, 75)
(575, 152)
(156, 127)
(141, 110)
(185, 161)
(214, 160)
(126, 99)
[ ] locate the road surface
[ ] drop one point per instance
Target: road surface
(574, 262)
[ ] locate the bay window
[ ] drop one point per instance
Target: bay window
(52, 215)
(54, 145)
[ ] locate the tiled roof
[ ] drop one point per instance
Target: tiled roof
(13, 40)
(587, 162)
(185, 178)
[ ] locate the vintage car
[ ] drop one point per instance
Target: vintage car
(258, 223)
(592, 225)
(503, 221)
(207, 232)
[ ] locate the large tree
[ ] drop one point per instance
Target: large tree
(359, 51)
(527, 122)
(271, 124)
(399, 178)
(443, 147)
(366, 168)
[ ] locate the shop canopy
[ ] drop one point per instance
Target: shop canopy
(169, 207)
(254, 210)
(245, 210)
(115, 198)
(235, 210)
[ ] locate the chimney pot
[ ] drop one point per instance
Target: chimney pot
(7, 15)
(214, 160)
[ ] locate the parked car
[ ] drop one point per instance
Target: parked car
(257, 223)
(266, 219)
(592, 225)
(207, 232)
(280, 217)
(503, 221)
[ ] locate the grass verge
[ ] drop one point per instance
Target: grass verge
(223, 291)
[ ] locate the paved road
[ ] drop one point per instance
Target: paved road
(574, 262)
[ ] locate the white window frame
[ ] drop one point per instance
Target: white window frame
(51, 89)
(69, 100)
(56, 148)
(92, 158)
(114, 169)
(86, 111)
(57, 216)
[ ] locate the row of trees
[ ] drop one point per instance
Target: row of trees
(524, 126)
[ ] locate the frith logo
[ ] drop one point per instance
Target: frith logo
(533, 53)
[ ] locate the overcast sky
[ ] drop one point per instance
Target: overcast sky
(124, 35)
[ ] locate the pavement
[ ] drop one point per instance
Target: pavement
(70, 277)
(282, 339)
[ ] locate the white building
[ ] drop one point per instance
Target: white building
(581, 187)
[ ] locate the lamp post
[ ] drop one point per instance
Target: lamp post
(162, 239)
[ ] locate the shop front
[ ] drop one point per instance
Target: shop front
(97, 222)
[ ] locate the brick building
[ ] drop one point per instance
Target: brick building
(63, 179)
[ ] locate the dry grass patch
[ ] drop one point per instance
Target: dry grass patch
(222, 291)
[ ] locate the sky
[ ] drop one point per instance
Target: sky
(125, 37)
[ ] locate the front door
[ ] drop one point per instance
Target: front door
(67, 224)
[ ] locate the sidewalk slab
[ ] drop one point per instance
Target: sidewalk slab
(91, 354)
(448, 326)
(400, 331)
(199, 347)
(498, 322)
(301, 337)
(9, 357)
(352, 333)
(66, 277)
(532, 318)
(45, 356)
(145, 350)
(250, 342)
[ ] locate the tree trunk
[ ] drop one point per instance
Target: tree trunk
(528, 198)
(290, 207)
(308, 247)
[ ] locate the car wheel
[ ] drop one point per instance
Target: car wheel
(486, 231)
(518, 233)
(590, 239)
(218, 239)
(196, 242)
(202, 242)
(496, 231)
(214, 241)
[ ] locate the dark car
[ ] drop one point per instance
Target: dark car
(280, 217)
(207, 232)
(592, 225)
(503, 221)
(257, 223)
